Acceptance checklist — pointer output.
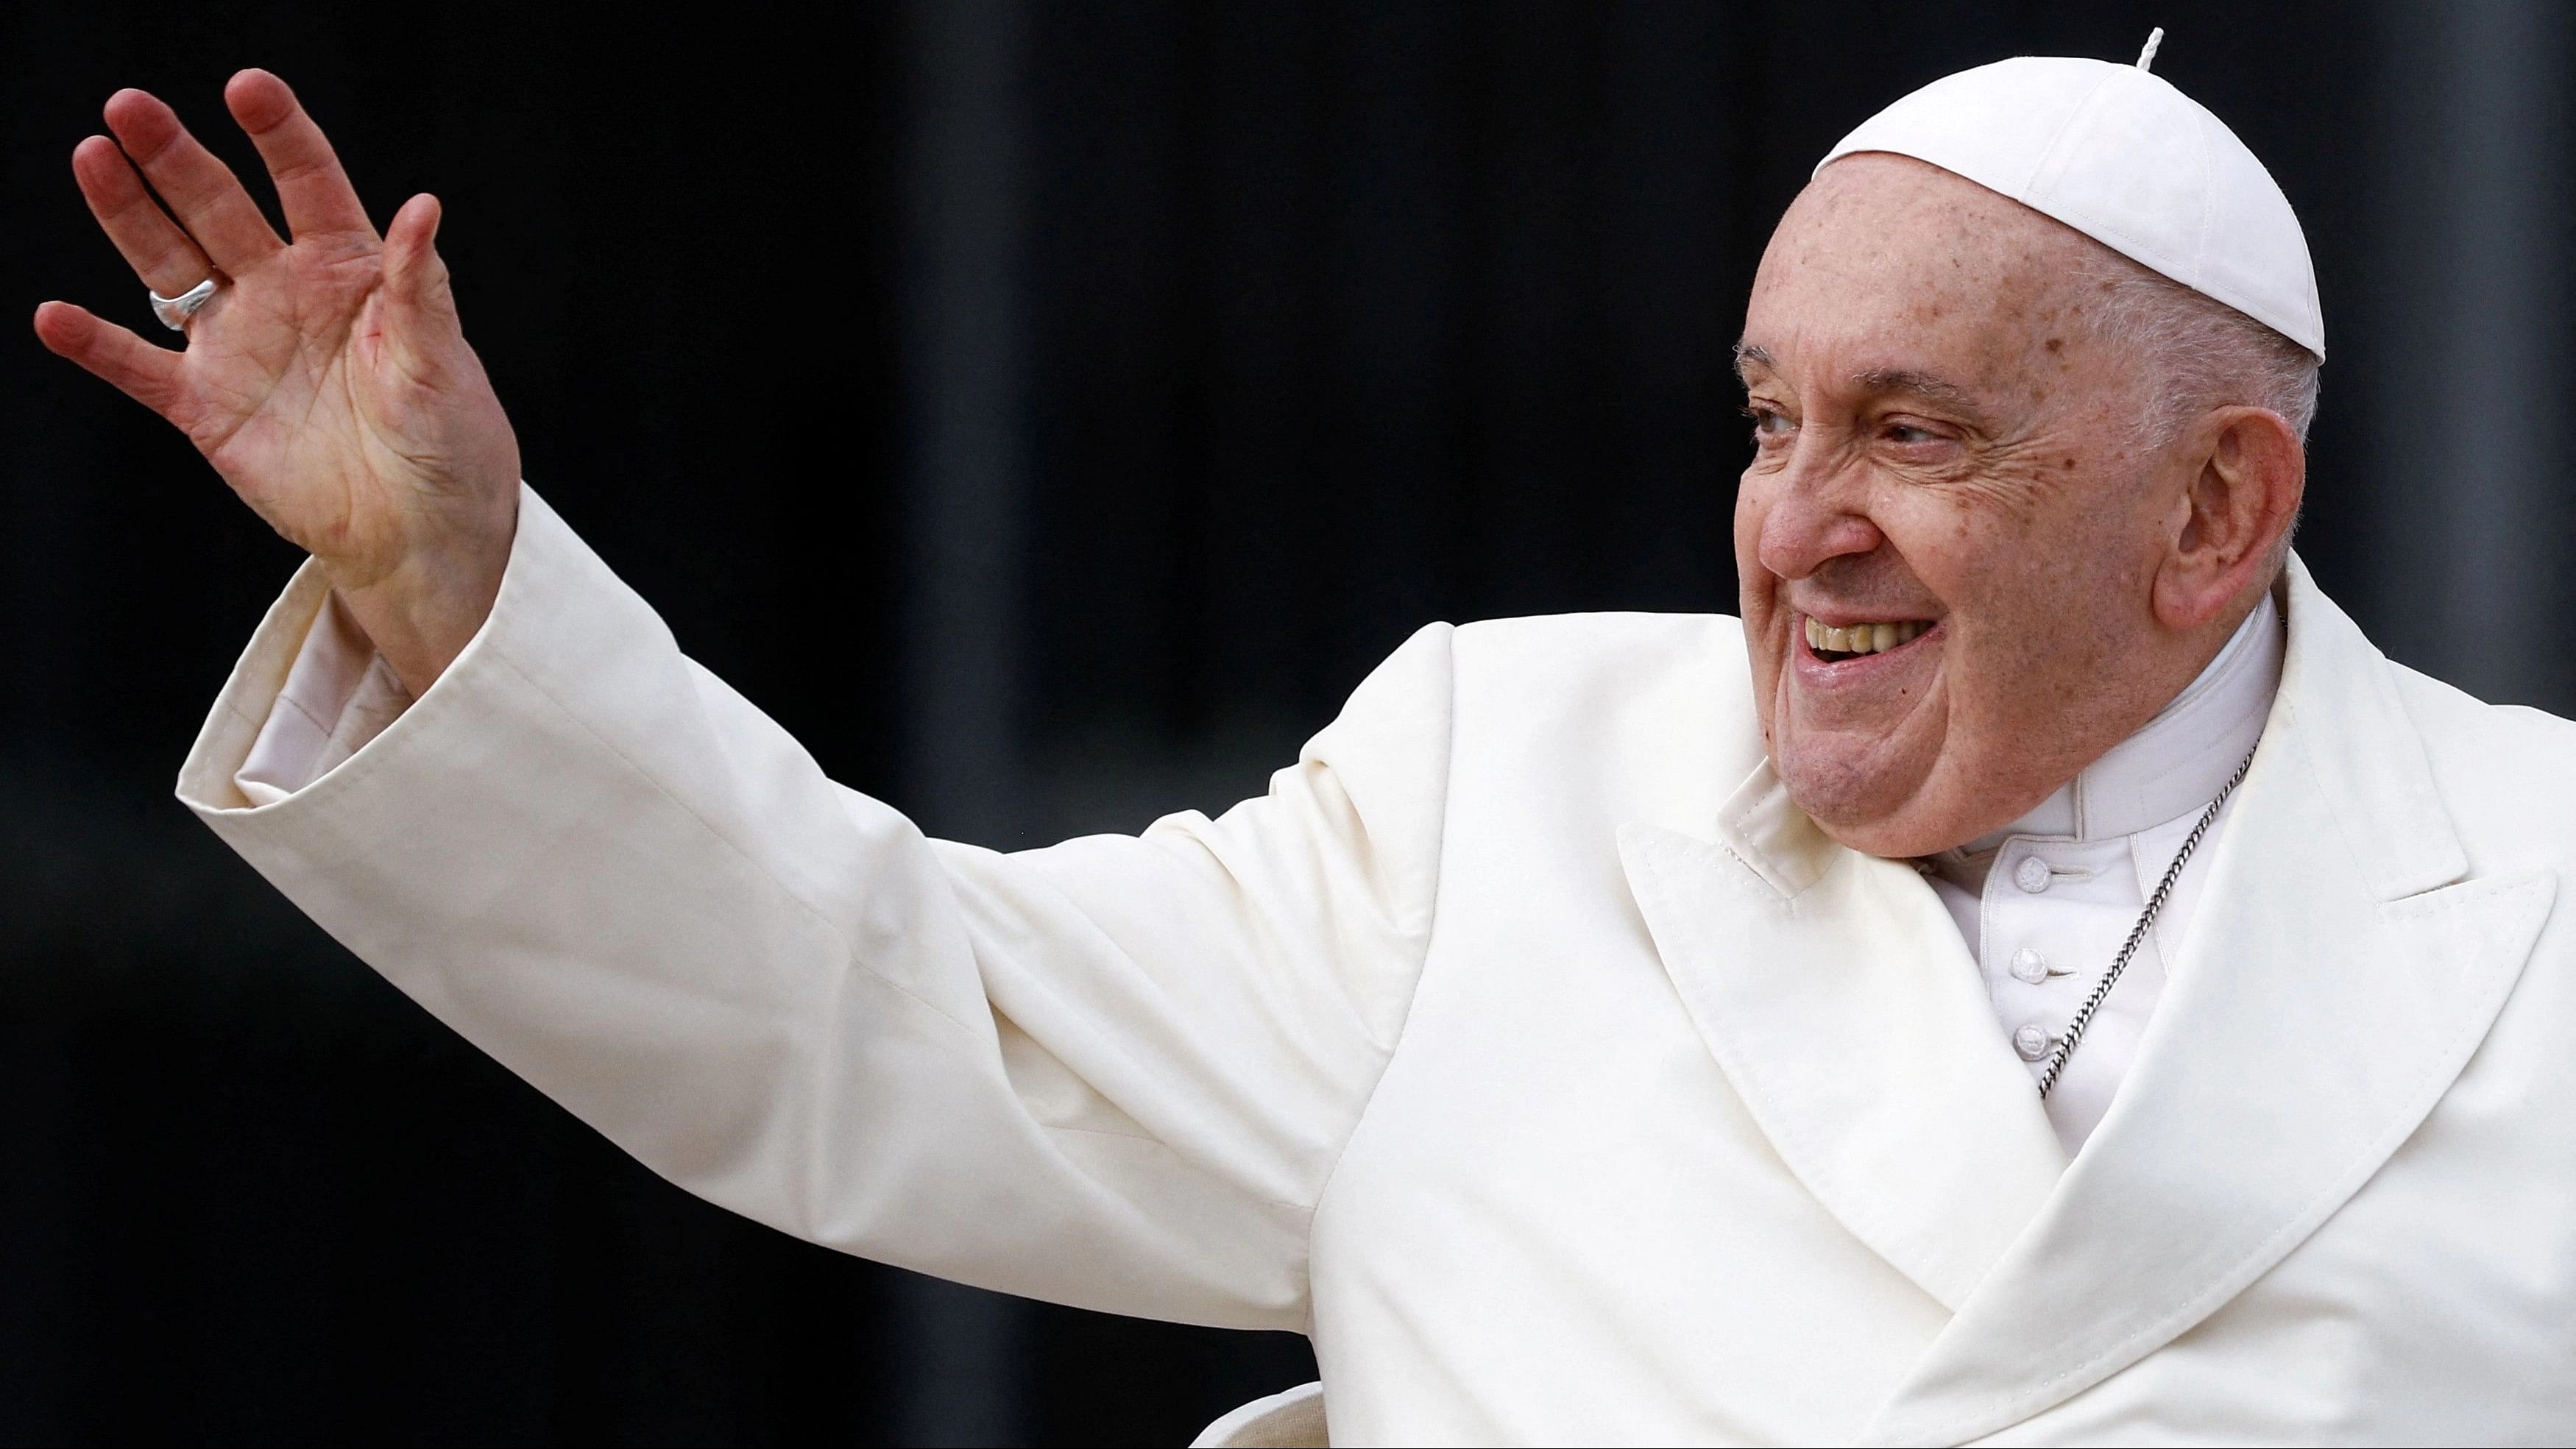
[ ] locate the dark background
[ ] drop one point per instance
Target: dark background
(1048, 412)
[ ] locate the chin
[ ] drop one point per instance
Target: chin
(1897, 839)
(1838, 794)
(1861, 803)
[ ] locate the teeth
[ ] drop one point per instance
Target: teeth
(1863, 638)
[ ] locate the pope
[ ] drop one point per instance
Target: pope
(2041, 976)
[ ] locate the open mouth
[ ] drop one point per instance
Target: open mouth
(1836, 643)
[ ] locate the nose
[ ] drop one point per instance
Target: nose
(1813, 516)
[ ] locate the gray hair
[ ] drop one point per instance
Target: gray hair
(2200, 352)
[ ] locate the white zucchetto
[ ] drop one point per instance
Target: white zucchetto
(2120, 155)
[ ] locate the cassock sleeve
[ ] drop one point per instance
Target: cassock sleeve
(1116, 1072)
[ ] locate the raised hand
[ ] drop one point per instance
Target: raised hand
(327, 379)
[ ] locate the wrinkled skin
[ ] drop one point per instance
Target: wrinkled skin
(1941, 437)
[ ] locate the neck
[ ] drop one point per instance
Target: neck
(2176, 761)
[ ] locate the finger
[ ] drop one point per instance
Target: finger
(143, 372)
(416, 282)
(311, 187)
(144, 234)
(201, 190)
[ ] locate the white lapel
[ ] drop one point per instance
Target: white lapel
(2340, 970)
(1838, 998)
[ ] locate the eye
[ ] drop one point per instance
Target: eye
(1770, 425)
(1905, 434)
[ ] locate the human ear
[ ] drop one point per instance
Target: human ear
(2228, 526)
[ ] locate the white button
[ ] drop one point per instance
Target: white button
(2028, 965)
(2033, 1042)
(2032, 874)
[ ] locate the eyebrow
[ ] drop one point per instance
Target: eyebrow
(1878, 380)
(1921, 384)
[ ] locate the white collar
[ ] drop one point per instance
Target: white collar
(2177, 761)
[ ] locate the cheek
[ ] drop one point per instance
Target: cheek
(1763, 643)
(1752, 507)
(1944, 541)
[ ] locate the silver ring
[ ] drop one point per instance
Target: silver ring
(174, 312)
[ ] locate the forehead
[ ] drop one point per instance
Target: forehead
(1887, 262)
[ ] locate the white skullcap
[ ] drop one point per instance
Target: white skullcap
(2123, 157)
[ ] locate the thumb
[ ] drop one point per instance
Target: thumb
(416, 287)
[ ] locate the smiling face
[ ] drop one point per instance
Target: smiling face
(1951, 537)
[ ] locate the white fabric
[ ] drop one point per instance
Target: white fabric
(2106, 836)
(1292, 1419)
(2123, 157)
(1523, 1044)
(338, 695)
(2105, 839)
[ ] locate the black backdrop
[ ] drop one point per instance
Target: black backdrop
(1047, 412)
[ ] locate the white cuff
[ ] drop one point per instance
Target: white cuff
(339, 694)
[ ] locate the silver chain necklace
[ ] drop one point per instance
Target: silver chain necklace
(2074, 1036)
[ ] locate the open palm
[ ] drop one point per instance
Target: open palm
(327, 380)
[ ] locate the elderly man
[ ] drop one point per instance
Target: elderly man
(2042, 976)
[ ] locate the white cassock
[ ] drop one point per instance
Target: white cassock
(1524, 1045)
